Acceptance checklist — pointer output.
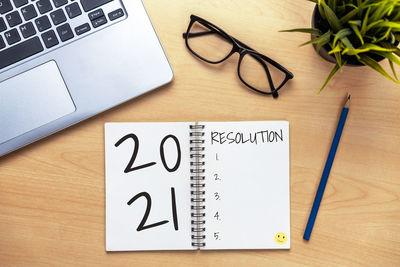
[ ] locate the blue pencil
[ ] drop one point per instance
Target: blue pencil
(327, 169)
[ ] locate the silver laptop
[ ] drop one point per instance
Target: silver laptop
(62, 61)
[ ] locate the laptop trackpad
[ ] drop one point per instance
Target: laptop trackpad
(32, 99)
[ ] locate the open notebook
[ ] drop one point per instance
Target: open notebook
(207, 185)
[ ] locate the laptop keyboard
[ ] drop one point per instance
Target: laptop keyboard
(31, 27)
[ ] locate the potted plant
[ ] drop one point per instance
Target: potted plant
(356, 32)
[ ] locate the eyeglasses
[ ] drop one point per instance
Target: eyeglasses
(211, 44)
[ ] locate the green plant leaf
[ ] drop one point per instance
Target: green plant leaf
(347, 43)
(357, 32)
(366, 48)
(391, 24)
(365, 22)
(339, 61)
(331, 74)
(321, 44)
(390, 10)
(374, 47)
(397, 17)
(323, 38)
(341, 34)
(380, 11)
(337, 49)
(385, 36)
(331, 17)
(355, 22)
(395, 49)
(352, 13)
(314, 1)
(305, 30)
(320, 9)
(392, 38)
(332, 5)
(350, 5)
(393, 70)
(366, 60)
(389, 56)
(372, 38)
(373, 24)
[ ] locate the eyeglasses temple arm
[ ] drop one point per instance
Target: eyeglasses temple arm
(198, 34)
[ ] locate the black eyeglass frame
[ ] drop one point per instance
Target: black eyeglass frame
(242, 49)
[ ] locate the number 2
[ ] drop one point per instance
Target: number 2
(135, 152)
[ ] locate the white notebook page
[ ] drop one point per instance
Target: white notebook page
(123, 220)
(247, 185)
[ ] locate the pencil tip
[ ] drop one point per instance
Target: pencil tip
(347, 103)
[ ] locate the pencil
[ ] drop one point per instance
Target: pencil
(327, 169)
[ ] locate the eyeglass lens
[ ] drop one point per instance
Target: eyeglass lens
(208, 43)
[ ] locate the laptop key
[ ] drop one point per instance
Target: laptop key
(44, 6)
(96, 14)
(50, 39)
(99, 21)
(58, 3)
(73, 10)
(82, 29)
(20, 51)
(43, 23)
(12, 36)
(5, 6)
(19, 3)
(27, 30)
(29, 12)
(2, 43)
(116, 14)
(13, 19)
(92, 4)
(65, 32)
(58, 16)
(3, 25)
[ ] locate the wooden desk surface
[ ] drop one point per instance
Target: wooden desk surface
(52, 192)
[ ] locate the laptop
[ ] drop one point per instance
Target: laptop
(63, 61)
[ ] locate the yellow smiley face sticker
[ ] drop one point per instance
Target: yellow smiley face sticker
(280, 238)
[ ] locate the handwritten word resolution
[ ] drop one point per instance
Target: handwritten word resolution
(265, 136)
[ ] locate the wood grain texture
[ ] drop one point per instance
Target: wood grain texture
(52, 192)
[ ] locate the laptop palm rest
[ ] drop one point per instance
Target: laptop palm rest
(32, 99)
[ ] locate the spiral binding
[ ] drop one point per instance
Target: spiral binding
(197, 185)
